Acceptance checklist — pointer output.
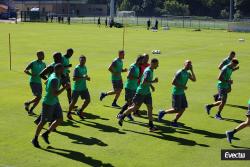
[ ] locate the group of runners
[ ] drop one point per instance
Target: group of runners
(139, 84)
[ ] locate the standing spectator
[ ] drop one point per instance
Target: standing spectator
(99, 22)
(106, 22)
(148, 24)
(156, 24)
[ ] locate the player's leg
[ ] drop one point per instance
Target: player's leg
(149, 104)
(46, 115)
(86, 96)
(38, 95)
(175, 106)
(230, 134)
(112, 92)
(222, 104)
(183, 104)
(58, 116)
(129, 94)
(118, 86)
(69, 95)
(75, 95)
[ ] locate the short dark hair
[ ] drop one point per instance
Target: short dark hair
(39, 52)
(70, 50)
(235, 61)
(121, 51)
(232, 53)
(154, 60)
(57, 55)
(82, 57)
(139, 58)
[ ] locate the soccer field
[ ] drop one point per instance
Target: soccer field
(98, 140)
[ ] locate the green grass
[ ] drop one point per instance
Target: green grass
(99, 140)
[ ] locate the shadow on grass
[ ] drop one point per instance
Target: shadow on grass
(77, 139)
(89, 116)
(101, 127)
(118, 108)
(240, 147)
(70, 123)
(230, 120)
(183, 129)
(77, 156)
(237, 106)
(164, 136)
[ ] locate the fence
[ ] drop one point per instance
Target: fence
(171, 21)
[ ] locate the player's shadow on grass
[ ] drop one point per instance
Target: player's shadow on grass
(77, 156)
(70, 123)
(183, 129)
(240, 147)
(89, 116)
(118, 108)
(101, 127)
(164, 136)
(77, 139)
(237, 106)
(230, 120)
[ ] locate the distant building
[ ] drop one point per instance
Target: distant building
(63, 7)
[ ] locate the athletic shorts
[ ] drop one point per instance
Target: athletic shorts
(117, 84)
(129, 94)
(36, 89)
(65, 79)
(179, 102)
(139, 99)
(248, 111)
(222, 93)
(83, 94)
(51, 112)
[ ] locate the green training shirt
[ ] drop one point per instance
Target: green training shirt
(52, 82)
(226, 74)
(181, 77)
(36, 67)
(117, 65)
(134, 71)
(80, 85)
(144, 89)
(65, 62)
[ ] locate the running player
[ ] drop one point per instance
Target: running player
(179, 101)
(35, 81)
(143, 95)
(143, 66)
(225, 62)
(80, 88)
(67, 65)
(224, 84)
(116, 68)
(131, 84)
(230, 134)
(57, 57)
(51, 108)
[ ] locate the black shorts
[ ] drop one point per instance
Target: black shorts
(248, 111)
(83, 94)
(179, 102)
(51, 112)
(222, 94)
(36, 89)
(117, 84)
(139, 99)
(129, 94)
(65, 79)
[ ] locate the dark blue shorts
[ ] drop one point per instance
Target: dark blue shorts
(83, 94)
(222, 94)
(36, 89)
(51, 112)
(139, 99)
(179, 102)
(129, 95)
(117, 84)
